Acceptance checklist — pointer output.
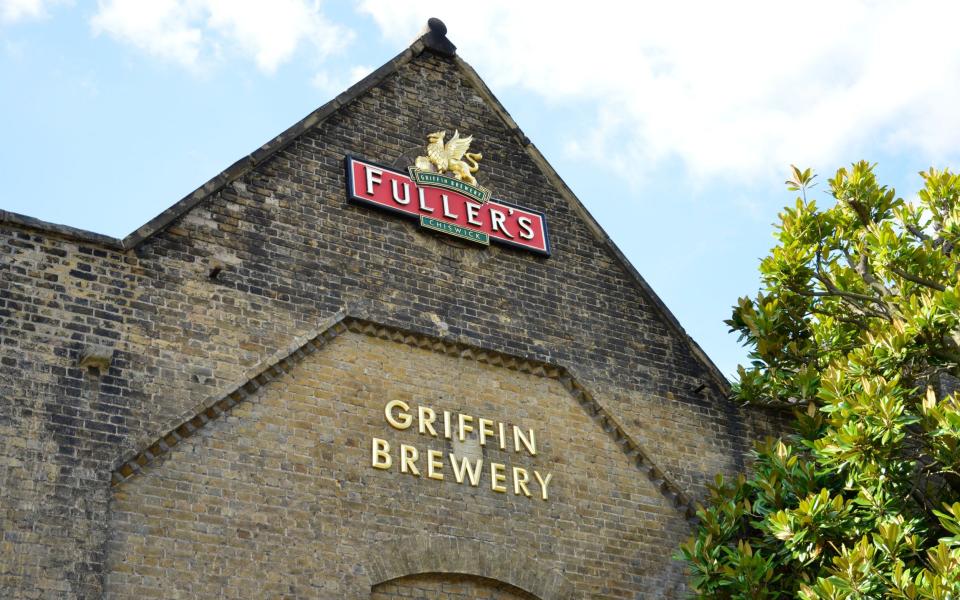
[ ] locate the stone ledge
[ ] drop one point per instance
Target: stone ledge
(72, 233)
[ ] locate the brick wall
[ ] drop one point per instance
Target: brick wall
(293, 253)
(280, 499)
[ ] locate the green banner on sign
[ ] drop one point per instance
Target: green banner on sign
(452, 229)
(477, 193)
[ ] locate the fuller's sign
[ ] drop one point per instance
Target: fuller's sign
(449, 205)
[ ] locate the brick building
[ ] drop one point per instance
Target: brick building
(273, 391)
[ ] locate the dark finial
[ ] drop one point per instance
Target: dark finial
(435, 24)
(435, 38)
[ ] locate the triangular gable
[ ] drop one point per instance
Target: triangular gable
(285, 361)
(434, 40)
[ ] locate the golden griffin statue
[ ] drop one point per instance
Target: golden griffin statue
(452, 157)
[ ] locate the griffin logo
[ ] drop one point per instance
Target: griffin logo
(452, 158)
(443, 158)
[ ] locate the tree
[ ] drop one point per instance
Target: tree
(856, 330)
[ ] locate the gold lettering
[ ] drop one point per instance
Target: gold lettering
(426, 417)
(464, 467)
(404, 419)
(530, 443)
(434, 464)
(543, 483)
(399, 415)
(408, 460)
(497, 477)
(380, 454)
(486, 428)
(464, 428)
(520, 479)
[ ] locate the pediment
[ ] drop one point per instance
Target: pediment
(203, 417)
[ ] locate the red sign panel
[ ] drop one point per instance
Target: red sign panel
(446, 210)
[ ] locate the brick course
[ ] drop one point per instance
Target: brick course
(291, 253)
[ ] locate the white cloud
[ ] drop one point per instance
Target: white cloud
(330, 85)
(12, 11)
(358, 72)
(163, 28)
(197, 33)
(737, 90)
(324, 82)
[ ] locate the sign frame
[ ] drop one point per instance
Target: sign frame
(354, 198)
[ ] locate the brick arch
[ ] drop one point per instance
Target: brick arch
(425, 554)
(447, 586)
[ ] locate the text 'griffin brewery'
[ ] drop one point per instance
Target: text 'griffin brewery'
(522, 481)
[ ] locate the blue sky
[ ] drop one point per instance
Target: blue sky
(675, 123)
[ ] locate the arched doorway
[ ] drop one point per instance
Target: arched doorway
(462, 569)
(447, 586)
